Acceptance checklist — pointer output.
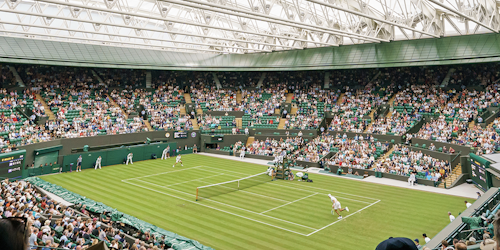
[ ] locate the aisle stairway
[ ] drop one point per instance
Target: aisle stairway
(216, 80)
(19, 80)
(289, 98)
(261, 80)
(187, 97)
(239, 122)
(390, 102)
(48, 112)
(294, 109)
(148, 125)
(250, 140)
(182, 109)
(386, 155)
(239, 98)
(455, 173)
(148, 79)
(326, 83)
(472, 124)
(281, 125)
(114, 104)
(446, 79)
(339, 101)
(97, 76)
(371, 118)
(195, 124)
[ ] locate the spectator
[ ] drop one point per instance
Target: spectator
(451, 217)
(427, 239)
(417, 243)
(467, 204)
(488, 243)
(445, 245)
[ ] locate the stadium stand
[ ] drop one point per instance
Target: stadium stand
(84, 224)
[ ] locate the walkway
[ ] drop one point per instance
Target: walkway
(464, 190)
(46, 107)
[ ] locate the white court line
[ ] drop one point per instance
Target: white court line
(301, 189)
(308, 187)
(226, 170)
(289, 203)
(338, 192)
(193, 180)
(248, 192)
(201, 204)
(222, 203)
(168, 172)
(317, 230)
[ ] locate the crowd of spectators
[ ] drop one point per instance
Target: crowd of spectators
(213, 122)
(315, 149)
(51, 224)
(272, 147)
(211, 99)
(404, 161)
(312, 102)
(81, 105)
(397, 124)
(358, 152)
(347, 124)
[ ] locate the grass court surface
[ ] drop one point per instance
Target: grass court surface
(274, 215)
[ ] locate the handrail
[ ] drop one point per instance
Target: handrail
(458, 154)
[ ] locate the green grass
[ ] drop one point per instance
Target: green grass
(274, 215)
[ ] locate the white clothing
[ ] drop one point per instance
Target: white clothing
(452, 217)
(411, 180)
(129, 158)
(178, 159)
(336, 203)
(427, 239)
(98, 163)
(242, 154)
(164, 154)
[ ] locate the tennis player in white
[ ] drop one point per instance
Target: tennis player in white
(178, 160)
(336, 206)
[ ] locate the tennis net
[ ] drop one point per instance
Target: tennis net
(208, 191)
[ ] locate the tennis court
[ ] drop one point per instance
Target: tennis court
(279, 203)
(270, 215)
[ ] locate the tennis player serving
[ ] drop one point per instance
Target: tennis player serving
(336, 206)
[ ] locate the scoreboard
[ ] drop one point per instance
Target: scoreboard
(478, 171)
(217, 138)
(11, 164)
(180, 135)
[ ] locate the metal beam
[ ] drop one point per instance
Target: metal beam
(462, 15)
(119, 35)
(177, 21)
(130, 27)
(371, 17)
(266, 18)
